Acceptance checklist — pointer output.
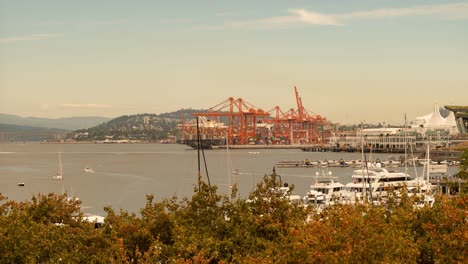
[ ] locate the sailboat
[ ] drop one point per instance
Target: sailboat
(73, 197)
(424, 188)
(59, 175)
(434, 167)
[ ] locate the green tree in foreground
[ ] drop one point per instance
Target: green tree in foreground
(463, 172)
(211, 228)
(49, 229)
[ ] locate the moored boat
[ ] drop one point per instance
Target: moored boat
(59, 174)
(326, 191)
(374, 183)
(88, 170)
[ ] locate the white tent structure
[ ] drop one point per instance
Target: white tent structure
(440, 119)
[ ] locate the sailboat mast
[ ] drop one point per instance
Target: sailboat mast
(362, 165)
(427, 161)
(60, 164)
(198, 155)
(228, 166)
(406, 152)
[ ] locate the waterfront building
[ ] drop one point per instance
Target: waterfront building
(461, 117)
(440, 121)
(437, 128)
(379, 139)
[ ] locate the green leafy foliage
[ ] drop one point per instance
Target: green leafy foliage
(463, 174)
(212, 228)
(50, 229)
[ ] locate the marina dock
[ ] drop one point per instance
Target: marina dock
(258, 146)
(319, 148)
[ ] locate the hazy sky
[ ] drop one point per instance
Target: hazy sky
(351, 61)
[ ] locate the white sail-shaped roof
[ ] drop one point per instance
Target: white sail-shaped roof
(441, 118)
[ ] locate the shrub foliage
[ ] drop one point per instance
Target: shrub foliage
(212, 228)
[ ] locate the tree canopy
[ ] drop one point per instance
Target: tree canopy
(212, 228)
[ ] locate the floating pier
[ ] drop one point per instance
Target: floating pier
(353, 149)
(391, 163)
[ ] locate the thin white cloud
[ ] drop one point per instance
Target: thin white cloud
(298, 17)
(90, 106)
(446, 11)
(314, 18)
(30, 37)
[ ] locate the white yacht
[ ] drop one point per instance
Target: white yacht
(283, 191)
(424, 190)
(326, 191)
(97, 220)
(375, 182)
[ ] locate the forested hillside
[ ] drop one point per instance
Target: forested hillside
(144, 127)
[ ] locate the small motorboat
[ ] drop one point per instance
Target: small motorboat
(88, 170)
(21, 184)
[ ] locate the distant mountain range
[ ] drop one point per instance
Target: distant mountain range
(67, 123)
(14, 133)
(144, 127)
(7, 128)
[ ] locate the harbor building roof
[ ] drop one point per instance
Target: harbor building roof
(461, 116)
(440, 119)
(382, 130)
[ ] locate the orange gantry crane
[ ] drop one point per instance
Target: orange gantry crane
(298, 126)
(247, 124)
(242, 119)
(307, 126)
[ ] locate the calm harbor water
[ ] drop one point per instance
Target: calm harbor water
(126, 173)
